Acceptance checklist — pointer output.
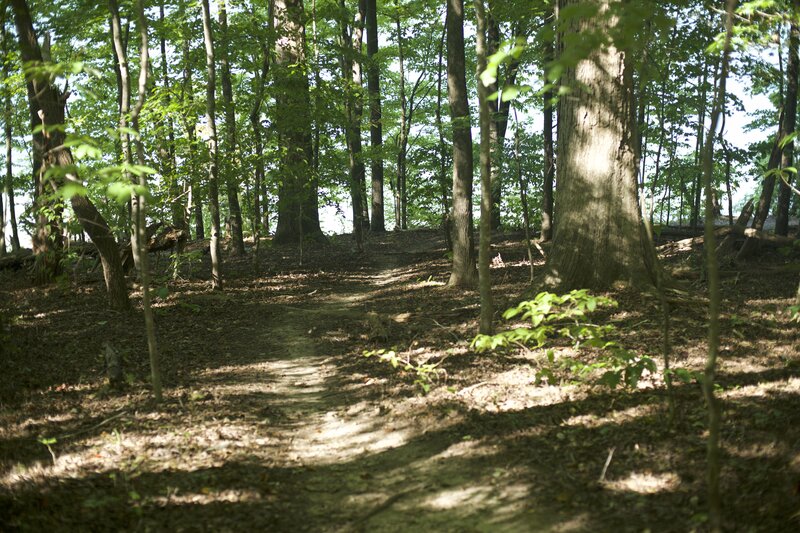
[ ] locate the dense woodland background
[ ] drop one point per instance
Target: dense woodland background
(181, 160)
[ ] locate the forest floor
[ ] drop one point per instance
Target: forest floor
(274, 420)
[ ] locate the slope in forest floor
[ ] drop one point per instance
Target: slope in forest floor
(274, 420)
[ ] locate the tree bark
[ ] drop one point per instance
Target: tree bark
(485, 279)
(47, 101)
(375, 126)
(464, 273)
(213, 162)
(598, 238)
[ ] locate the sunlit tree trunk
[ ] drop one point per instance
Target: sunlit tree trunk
(213, 162)
(463, 273)
(598, 238)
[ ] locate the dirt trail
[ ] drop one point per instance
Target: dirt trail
(354, 465)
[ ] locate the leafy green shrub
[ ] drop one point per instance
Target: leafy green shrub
(564, 316)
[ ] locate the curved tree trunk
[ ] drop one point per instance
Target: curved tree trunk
(598, 238)
(47, 106)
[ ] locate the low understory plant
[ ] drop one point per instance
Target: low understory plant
(425, 374)
(553, 317)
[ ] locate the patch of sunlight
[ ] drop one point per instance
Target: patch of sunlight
(789, 386)
(330, 439)
(474, 496)
(465, 449)
(207, 496)
(577, 523)
(426, 283)
(234, 370)
(595, 421)
(759, 451)
(645, 483)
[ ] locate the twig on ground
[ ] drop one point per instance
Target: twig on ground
(605, 466)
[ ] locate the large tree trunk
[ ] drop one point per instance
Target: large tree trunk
(232, 168)
(464, 273)
(598, 238)
(213, 159)
(375, 125)
(47, 108)
(297, 199)
(790, 105)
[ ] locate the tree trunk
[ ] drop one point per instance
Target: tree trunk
(464, 273)
(750, 246)
(790, 105)
(167, 152)
(213, 162)
(139, 236)
(498, 122)
(351, 74)
(375, 125)
(714, 298)
(195, 196)
(231, 158)
(259, 81)
(549, 154)
(47, 101)
(297, 210)
(598, 238)
(487, 307)
(701, 122)
(442, 147)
